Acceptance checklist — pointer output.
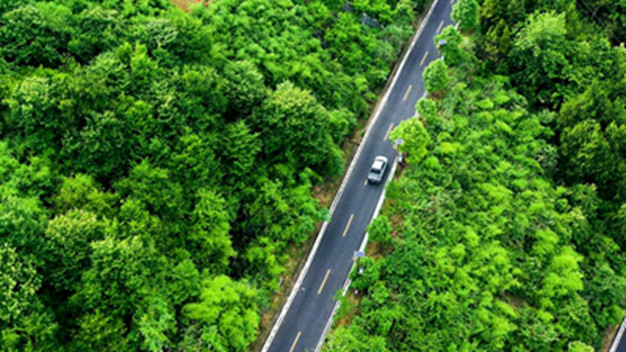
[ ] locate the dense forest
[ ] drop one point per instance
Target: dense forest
(157, 164)
(505, 230)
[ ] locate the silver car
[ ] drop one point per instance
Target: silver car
(377, 171)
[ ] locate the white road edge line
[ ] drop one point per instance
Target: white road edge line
(618, 337)
(305, 268)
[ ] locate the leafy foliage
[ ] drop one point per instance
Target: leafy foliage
(415, 139)
(436, 76)
(156, 165)
(25, 323)
(465, 13)
(508, 232)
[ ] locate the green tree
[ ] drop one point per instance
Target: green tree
(380, 230)
(498, 42)
(564, 276)
(22, 224)
(209, 241)
(99, 30)
(366, 274)
(239, 147)
(451, 50)
(538, 55)
(153, 187)
(100, 142)
(427, 108)
(25, 324)
(415, 139)
(577, 346)
(99, 331)
(189, 161)
(177, 38)
(199, 98)
(343, 339)
(69, 237)
(465, 13)
(224, 319)
(29, 37)
(82, 192)
(436, 77)
(493, 11)
(33, 114)
(292, 121)
(245, 88)
(125, 282)
(585, 146)
(604, 294)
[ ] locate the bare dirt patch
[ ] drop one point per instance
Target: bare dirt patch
(351, 308)
(184, 4)
(609, 335)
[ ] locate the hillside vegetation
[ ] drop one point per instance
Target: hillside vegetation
(505, 231)
(156, 165)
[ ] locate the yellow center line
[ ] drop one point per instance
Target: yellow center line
(345, 232)
(365, 182)
(424, 59)
(388, 131)
(439, 28)
(406, 95)
(293, 345)
(323, 283)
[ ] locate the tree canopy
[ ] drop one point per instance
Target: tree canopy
(506, 233)
(156, 165)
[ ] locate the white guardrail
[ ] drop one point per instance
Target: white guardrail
(346, 178)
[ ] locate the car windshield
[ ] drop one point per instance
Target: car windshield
(377, 165)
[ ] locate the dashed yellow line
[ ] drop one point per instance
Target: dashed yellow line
(424, 59)
(345, 232)
(440, 26)
(293, 345)
(323, 282)
(388, 132)
(406, 95)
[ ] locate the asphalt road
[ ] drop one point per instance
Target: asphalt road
(621, 346)
(311, 309)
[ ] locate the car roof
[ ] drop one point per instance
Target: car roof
(381, 158)
(378, 164)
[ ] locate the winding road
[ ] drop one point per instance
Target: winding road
(301, 325)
